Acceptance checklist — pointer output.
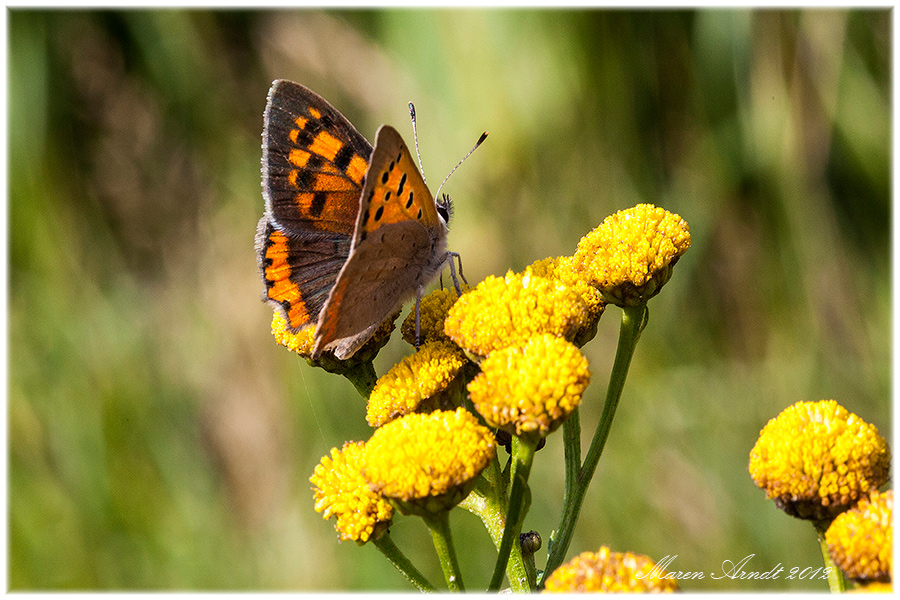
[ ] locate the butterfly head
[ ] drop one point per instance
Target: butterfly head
(444, 208)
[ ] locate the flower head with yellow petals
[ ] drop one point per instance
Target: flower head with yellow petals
(563, 269)
(342, 492)
(630, 256)
(608, 572)
(303, 342)
(433, 310)
(427, 463)
(861, 540)
(507, 311)
(816, 459)
(421, 382)
(530, 390)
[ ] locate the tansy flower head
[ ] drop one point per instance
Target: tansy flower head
(422, 382)
(606, 571)
(562, 268)
(630, 256)
(433, 310)
(502, 312)
(861, 540)
(427, 463)
(341, 491)
(303, 341)
(816, 459)
(530, 390)
(876, 587)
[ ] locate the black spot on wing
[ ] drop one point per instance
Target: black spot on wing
(318, 204)
(305, 178)
(343, 157)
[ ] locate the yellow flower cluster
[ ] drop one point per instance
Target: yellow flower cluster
(876, 587)
(861, 540)
(609, 572)
(816, 459)
(563, 269)
(530, 390)
(433, 310)
(342, 491)
(416, 383)
(425, 463)
(630, 256)
(303, 341)
(503, 312)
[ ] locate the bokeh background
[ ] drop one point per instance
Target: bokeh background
(159, 438)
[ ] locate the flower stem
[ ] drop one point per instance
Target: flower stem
(572, 448)
(439, 525)
(363, 378)
(633, 321)
(488, 502)
(402, 564)
(837, 583)
(523, 451)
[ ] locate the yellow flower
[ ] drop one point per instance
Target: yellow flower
(303, 341)
(417, 383)
(300, 342)
(341, 491)
(630, 256)
(816, 459)
(427, 463)
(606, 571)
(531, 390)
(433, 310)
(503, 312)
(876, 587)
(861, 540)
(563, 269)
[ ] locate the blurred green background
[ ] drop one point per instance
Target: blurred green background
(160, 439)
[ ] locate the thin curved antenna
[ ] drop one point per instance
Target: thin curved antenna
(475, 147)
(412, 116)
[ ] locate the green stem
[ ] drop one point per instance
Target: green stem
(523, 451)
(837, 583)
(633, 321)
(402, 564)
(439, 525)
(488, 502)
(572, 448)
(363, 378)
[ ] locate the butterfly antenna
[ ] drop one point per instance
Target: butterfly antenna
(412, 116)
(475, 147)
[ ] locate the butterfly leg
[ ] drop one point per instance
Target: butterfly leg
(418, 321)
(451, 256)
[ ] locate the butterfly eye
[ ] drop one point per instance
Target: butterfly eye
(444, 208)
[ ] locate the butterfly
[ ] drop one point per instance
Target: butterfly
(350, 232)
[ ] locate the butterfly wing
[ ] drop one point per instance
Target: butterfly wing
(398, 247)
(313, 165)
(298, 270)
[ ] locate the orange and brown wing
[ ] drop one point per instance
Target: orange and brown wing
(394, 190)
(398, 247)
(298, 270)
(313, 165)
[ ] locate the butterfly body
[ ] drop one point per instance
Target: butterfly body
(350, 231)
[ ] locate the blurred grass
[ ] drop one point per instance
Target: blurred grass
(159, 439)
